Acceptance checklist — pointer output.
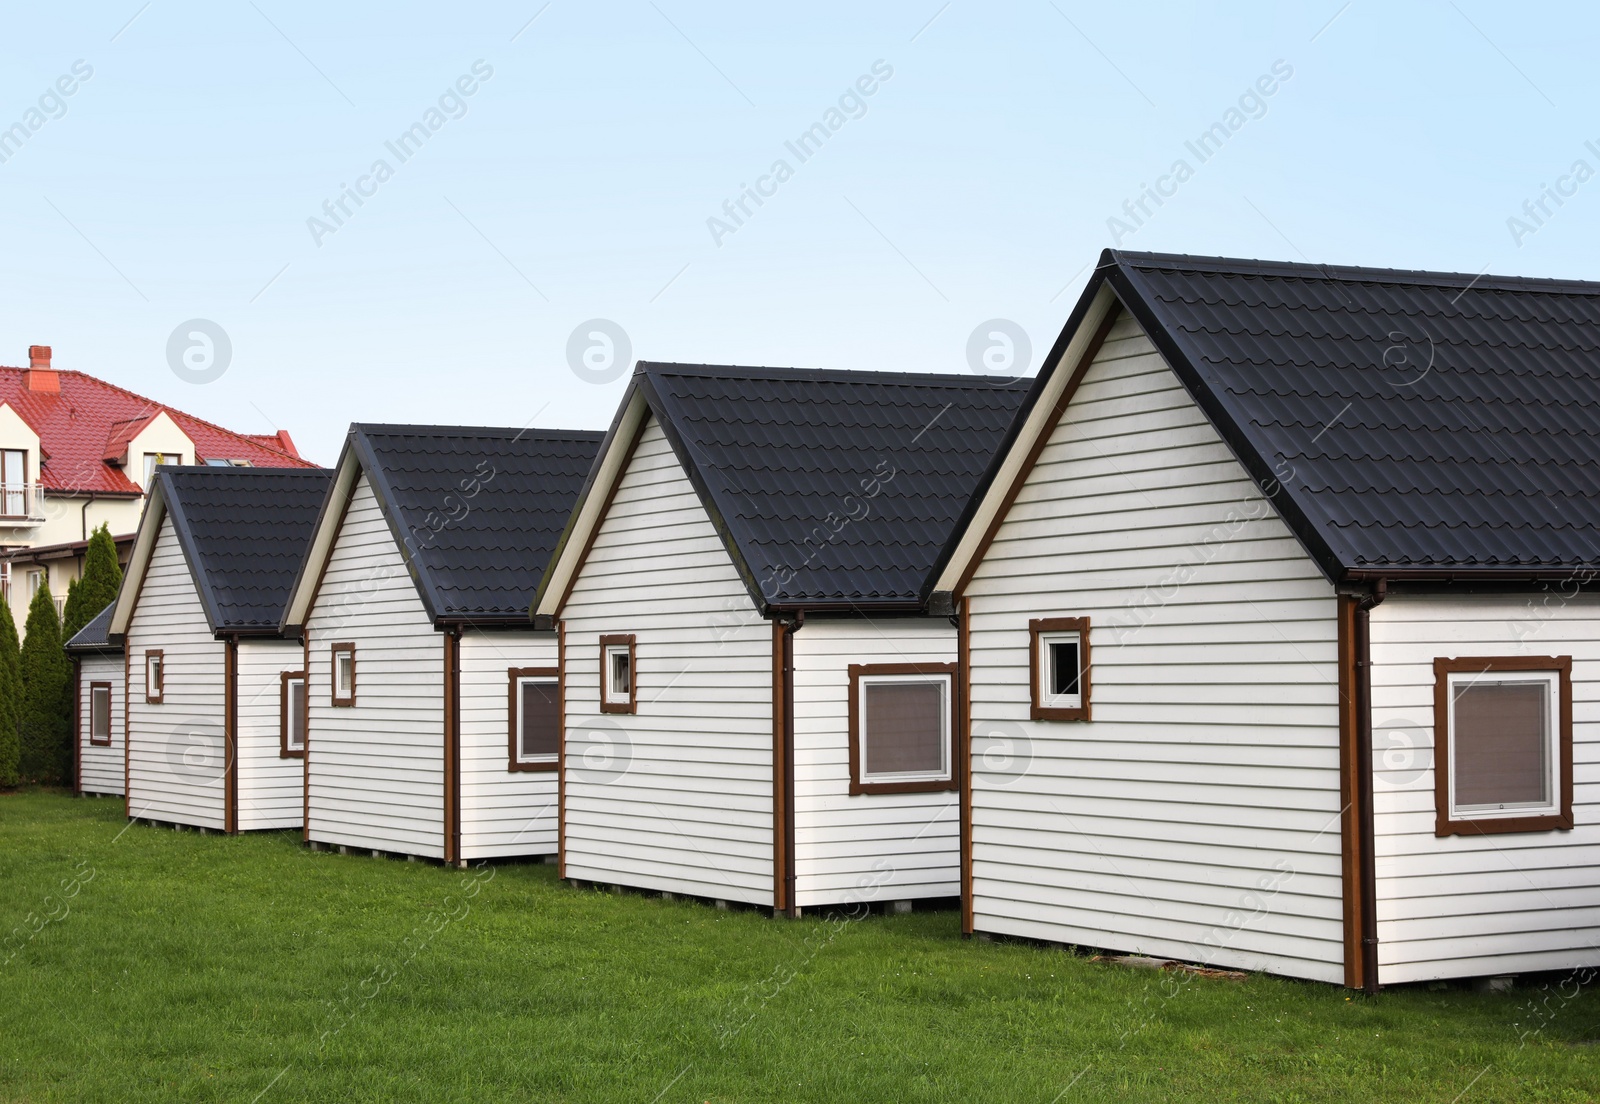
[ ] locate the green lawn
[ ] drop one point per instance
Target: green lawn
(188, 968)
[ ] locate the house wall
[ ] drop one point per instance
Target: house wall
(375, 770)
(866, 847)
(101, 767)
(678, 796)
(504, 813)
(1196, 817)
(1464, 906)
(175, 748)
(271, 786)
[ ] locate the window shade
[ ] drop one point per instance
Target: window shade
(1499, 744)
(904, 727)
(540, 721)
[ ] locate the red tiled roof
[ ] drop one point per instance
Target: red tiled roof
(90, 419)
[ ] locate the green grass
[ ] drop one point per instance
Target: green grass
(199, 968)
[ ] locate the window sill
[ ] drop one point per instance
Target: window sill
(515, 767)
(1058, 713)
(929, 785)
(1548, 822)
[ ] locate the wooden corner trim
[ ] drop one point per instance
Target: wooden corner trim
(617, 640)
(561, 749)
(334, 650)
(931, 785)
(964, 748)
(284, 679)
(780, 769)
(1444, 825)
(514, 762)
(1350, 810)
(230, 734)
(1037, 710)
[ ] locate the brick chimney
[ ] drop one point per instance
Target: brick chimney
(41, 378)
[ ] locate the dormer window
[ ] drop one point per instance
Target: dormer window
(151, 459)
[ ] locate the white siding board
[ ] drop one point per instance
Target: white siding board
(175, 752)
(1206, 788)
(1469, 906)
(504, 813)
(102, 767)
(691, 810)
(864, 847)
(375, 770)
(271, 786)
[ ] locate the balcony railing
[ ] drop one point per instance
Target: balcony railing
(21, 504)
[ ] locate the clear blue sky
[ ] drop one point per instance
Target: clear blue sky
(178, 179)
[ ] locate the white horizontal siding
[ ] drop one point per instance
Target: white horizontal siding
(872, 847)
(375, 770)
(271, 785)
(684, 802)
(1463, 906)
(101, 767)
(1196, 816)
(504, 813)
(175, 748)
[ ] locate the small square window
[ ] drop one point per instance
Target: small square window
(100, 713)
(1503, 762)
(292, 715)
(343, 674)
(618, 674)
(1059, 679)
(535, 714)
(155, 677)
(901, 720)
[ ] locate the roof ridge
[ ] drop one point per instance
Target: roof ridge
(832, 375)
(1241, 266)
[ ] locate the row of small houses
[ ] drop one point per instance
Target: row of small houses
(801, 638)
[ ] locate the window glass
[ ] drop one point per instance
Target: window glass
(1064, 667)
(13, 482)
(152, 676)
(621, 673)
(100, 714)
(904, 727)
(539, 720)
(1500, 751)
(344, 670)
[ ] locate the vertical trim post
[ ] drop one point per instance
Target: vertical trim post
(230, 736)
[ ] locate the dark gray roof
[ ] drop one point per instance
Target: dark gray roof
(833, 489)
(92, 637)
(244, 532)
(1431, 421)
(477, 510)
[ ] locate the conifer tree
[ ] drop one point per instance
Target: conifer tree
(46, 718)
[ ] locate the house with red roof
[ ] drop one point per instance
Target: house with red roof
(77, 452)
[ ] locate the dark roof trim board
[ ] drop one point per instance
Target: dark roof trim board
(1414, 485)
(775, 453)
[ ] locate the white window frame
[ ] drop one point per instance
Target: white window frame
(96, 690)
(946, 688)
(1047, 668)
(608, 657)
(523, 680)
(13, 491)
(1551, 681)
(155, 677)
(152, 460)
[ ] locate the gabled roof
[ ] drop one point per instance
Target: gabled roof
(78, 424)
(474, 510)
(830, 489)
(1422, 424)
(93, 637)
(244, 533)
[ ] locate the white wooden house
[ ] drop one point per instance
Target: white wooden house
(1331, 535)
(99, 677)
(213, 693)
(433, 712)
(758, 704)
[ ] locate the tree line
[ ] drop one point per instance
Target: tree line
(37, 689)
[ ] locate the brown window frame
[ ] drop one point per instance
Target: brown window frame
(1038, 628)
(284, 679)
(106, 686)
(161, 678)
(1445, 824)
(617, 640)
(514, 760)
(334, 651)
(858, 759)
